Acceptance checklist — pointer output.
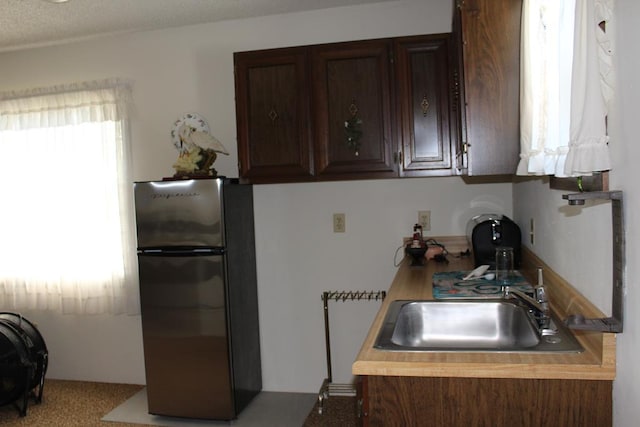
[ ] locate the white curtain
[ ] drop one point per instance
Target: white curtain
(66, 221)
(566, 87)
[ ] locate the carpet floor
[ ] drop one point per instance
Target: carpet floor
(83, 404)
(339, 411)
(70, 404)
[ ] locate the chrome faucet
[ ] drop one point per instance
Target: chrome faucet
(539, 307)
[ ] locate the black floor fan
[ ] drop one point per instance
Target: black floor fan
(23, 362)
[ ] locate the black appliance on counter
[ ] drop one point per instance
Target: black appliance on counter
(486, 232)
(198, 293)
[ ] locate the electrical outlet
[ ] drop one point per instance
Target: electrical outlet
(424, 219)
(339, 225)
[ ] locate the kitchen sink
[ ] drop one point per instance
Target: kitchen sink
(470, 325)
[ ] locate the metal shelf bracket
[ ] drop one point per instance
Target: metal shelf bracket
(615, 322)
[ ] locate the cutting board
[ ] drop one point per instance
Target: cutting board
(449, 284)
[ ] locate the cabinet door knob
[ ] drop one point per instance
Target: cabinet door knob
(273, 114)
(424, 105)
(353, 128)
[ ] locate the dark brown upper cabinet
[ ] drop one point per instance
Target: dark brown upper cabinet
(351, 101)
(425, 110)
(487, 39)
(354, 110)
(272, 114)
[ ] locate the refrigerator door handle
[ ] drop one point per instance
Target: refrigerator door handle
(185, 251)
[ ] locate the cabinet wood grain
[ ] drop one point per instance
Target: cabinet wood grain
(490, 402)
(272, 114)
(293, 106)
(352, 81)
(426, 119)
(488, 43)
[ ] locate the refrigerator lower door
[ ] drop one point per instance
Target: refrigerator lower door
(186, 346)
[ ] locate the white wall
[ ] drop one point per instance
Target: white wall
(576, 241)
(301, 257)
(190, 69)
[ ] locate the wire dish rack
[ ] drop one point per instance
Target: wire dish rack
(329, 388)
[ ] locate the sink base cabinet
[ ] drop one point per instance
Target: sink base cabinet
(491, 402)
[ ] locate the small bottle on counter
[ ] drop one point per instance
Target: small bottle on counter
(417, 240)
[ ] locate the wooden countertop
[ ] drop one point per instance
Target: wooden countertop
(597, 362)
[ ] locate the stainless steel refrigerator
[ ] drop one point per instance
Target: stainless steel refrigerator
(199, 307)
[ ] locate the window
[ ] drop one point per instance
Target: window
(66, 220)
(566, 87)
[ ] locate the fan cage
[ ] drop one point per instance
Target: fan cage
(23, 362)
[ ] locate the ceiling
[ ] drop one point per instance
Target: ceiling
(30, 23)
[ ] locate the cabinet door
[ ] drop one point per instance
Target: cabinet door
(444, 401)
(352, 98)
(272, 108)
(424, 90)
(489, 32)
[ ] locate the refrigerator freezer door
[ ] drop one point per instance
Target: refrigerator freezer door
(186, 213)
(185, 336)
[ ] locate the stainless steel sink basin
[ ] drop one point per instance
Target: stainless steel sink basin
(468, 325)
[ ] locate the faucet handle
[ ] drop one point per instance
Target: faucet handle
(541, 294)
(540, 291)
(541, 298)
